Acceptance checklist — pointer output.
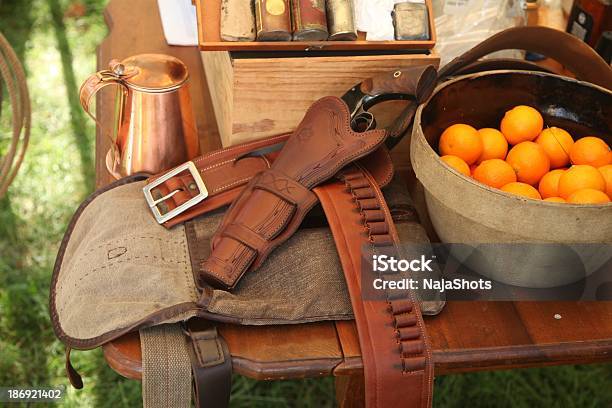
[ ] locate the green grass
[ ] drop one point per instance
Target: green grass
(56, 39)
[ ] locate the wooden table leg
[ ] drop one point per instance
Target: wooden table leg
(350, 391)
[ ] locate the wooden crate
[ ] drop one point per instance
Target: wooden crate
(258, 97)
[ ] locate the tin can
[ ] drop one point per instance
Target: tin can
(273, 20)
(309, 20)
(237, 20)
(411, 21)
(341, 20)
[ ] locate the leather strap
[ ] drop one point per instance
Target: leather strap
(395, 348)
(211, 365)
(272, 206)
(494, 64)
(73, 375)
(574, 54)
(226, 172)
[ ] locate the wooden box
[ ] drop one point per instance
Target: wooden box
(266, 92)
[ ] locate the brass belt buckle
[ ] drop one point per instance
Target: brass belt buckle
(203, 192)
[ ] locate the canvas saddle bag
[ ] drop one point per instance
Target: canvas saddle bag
(165, 256)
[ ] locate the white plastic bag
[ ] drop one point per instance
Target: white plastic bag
(374, 18)
(462, 24)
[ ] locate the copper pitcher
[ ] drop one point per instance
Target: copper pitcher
(154, 127)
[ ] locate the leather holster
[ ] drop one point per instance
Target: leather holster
(274, 203)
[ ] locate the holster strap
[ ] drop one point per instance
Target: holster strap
(279, 184)
(245, 235)
(395, 348)
(211, 365)
(274, 204)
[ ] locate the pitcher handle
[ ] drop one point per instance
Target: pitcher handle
(92, 85)
(97, 81)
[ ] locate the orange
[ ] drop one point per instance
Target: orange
(606, 172)
(521, 124)
(555, 200)
(591, 150)
(556, 144)
(462, 141)
(457, 164)
(495, 173)
(588, 196)
(522, 189)
(494, 144)
(549, 184)
(580, 177)
(529, 162)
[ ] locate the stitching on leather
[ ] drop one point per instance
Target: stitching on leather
(214, 166)
(389, 176)
(246, 227)
(245, 257)
(219, 189)
(275, 225)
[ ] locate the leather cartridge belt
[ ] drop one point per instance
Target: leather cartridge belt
(394, 345)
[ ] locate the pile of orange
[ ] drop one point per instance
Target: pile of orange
(526, 159)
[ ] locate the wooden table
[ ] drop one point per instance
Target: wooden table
(466, 336)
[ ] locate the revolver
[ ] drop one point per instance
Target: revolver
(414, 84)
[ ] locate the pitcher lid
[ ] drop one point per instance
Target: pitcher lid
(153, 72)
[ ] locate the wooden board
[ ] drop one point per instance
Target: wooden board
(209, 18)
(260, 97)
(308, 350)
(466, 336)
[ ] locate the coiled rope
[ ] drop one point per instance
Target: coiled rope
(14, 79)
